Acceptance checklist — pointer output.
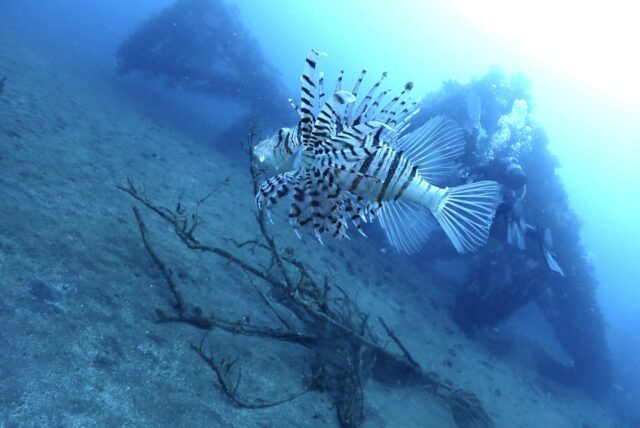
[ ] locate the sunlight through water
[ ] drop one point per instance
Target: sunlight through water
(594, 42)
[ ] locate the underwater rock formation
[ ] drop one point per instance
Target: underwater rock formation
(496, 290)
(202, 45)
(494, 111)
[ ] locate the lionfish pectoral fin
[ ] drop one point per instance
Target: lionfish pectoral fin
(319, 203)
(297, 232)
(275, 189)
(293, 161)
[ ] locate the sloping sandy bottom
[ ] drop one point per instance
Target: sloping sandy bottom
(79, 345)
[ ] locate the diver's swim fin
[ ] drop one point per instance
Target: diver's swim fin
(516, 230)
(517, 227)
(546, 243)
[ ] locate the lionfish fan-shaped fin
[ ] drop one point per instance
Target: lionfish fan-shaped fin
(276, 188)
(406, 224)
(347, 112)
(434, 147)
(308, 92)
(357, 211)
(319, 203)
(325, 125)
(466, 213)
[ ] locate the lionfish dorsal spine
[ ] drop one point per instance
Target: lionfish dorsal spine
(295, 107)
(339, 81)
(309, 86)
(347, 112)
(322, 94)
(366, 102)
(325, 125)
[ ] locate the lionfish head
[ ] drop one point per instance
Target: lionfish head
(265, 150)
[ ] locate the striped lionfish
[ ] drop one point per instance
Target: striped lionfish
(349, 165)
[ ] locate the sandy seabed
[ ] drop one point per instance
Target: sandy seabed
(80, 345)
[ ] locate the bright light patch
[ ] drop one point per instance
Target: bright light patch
(596, 42)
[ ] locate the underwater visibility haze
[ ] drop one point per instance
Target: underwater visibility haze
(366, 213)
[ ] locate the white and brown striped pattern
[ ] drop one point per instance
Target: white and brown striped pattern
(353, 163)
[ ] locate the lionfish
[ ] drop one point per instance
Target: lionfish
(347, 164)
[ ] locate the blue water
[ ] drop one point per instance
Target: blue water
(592, 126)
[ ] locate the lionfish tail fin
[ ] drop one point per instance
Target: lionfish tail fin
(466, 213)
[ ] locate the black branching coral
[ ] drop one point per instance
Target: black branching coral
(344, 346)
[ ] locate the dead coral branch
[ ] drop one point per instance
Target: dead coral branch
(344, 348)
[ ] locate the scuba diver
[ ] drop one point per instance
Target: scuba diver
(508, 172)
(514, 181)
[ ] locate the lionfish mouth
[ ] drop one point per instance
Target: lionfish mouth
(262, 148)
(258, 152)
